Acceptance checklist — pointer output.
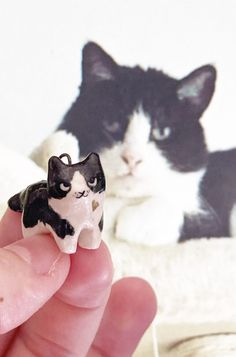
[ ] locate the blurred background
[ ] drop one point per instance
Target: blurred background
(40, 56)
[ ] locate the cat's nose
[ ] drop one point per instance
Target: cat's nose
(132, 160)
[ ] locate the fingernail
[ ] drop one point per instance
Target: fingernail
(40, 252)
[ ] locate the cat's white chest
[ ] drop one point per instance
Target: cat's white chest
(82, 213)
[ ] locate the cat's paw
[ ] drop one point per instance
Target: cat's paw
(112, 207)
(148, 223)
(134, 228)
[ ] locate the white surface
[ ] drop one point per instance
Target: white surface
(41, 44)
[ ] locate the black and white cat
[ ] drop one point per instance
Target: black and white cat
(162, 183)
(69, 204)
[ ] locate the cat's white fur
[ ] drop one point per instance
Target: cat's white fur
(146, 203)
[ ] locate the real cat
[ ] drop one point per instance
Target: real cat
(162, 183)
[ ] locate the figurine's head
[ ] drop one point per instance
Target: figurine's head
(75, 180)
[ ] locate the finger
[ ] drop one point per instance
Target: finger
(10, 228)
(31, 271)
(67, 324)
(10, 231)
(130, 310)
(5, 340)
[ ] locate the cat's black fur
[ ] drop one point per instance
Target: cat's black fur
(34, 201)
(109, 94)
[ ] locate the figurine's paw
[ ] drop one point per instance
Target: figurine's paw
(64, 229)
(90, 239)
(68, 244)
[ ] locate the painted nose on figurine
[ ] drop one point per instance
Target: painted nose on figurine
(80, 194)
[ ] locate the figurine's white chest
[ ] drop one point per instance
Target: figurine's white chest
(81, 213)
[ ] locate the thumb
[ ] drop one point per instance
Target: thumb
(31, 271)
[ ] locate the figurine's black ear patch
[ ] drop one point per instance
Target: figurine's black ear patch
(55, 164)
(93, 159)
(92, 171)
(97, 65)
(59, 177)
(197, 88)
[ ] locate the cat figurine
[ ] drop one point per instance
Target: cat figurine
(69, 204)
(163, 185)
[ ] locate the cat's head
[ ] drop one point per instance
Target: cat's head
(142, 122)
(75, 180)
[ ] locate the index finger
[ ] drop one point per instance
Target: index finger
(10, 228)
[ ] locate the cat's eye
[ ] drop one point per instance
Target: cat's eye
(161, 134)
(111, 127)
(64, 186)
(93, 182)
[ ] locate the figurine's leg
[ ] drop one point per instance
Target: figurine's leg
(62, 231)
(62, 228)
(68, 244)
(90, 238)
(39, 228)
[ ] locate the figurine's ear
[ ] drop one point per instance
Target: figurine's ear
(93, 160)
(54, 164)
(97, 65)
(197, 88)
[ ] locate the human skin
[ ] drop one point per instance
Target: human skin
(54, 304)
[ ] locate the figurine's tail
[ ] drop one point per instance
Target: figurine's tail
(15, 203)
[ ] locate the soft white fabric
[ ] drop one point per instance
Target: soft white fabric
(195, 281)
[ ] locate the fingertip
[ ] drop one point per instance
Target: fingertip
(131, 308)
(89, 279)
(139, 294)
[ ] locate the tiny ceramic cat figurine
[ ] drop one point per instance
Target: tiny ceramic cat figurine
(69, 204)
(163, 185)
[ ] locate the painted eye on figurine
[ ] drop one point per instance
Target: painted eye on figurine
(93, 182)
(64, 186)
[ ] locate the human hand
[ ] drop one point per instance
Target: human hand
(53, 304)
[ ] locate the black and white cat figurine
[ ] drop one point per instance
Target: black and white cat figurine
(69, 204)
(162, 183)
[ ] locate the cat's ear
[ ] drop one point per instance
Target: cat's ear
(197, 88)
(97, 65)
